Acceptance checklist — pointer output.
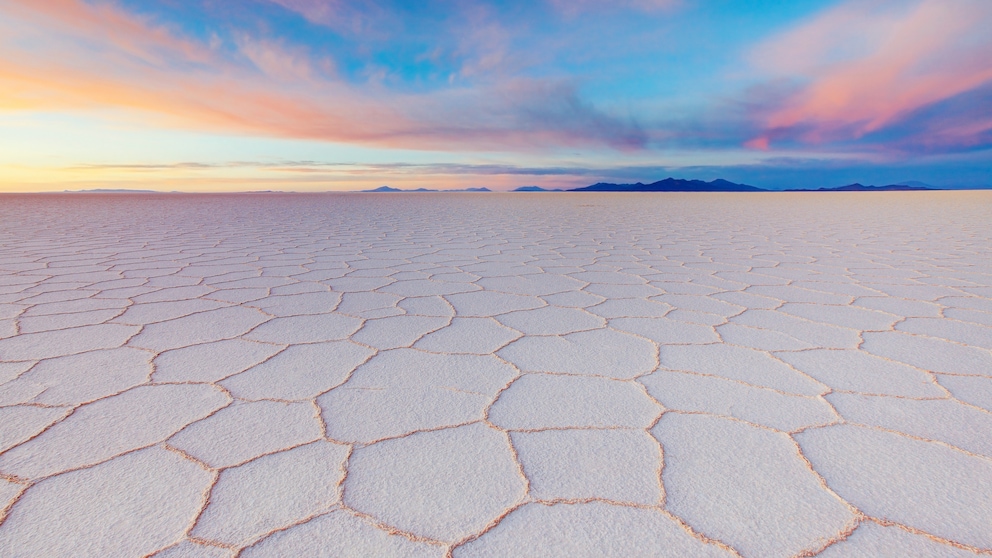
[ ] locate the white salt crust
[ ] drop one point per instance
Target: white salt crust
(496, 375)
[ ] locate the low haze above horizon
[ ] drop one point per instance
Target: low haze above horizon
(324, 95)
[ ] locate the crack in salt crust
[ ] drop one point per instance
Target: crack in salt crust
(765, 315)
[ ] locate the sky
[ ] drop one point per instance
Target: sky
(329, 95)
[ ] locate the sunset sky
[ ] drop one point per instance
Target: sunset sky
(320, 95)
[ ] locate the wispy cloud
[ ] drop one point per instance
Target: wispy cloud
(566, 90)
(341, 15)
(863, 67)
(307, 166)
(576, 7)
(101, 55)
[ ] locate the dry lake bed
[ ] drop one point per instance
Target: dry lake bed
(496, 375)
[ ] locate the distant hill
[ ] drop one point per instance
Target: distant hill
(948, 186)
(536, 189)
(382, 189)
(672, 185)
(917, 183)
(856, 187)
(112, 191)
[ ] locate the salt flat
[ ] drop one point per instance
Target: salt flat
(496, 375)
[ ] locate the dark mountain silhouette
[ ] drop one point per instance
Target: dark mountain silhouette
(672, 185)
(382, 189)
(390, 189)
(856, 187)
(113, 191)
(682, 185)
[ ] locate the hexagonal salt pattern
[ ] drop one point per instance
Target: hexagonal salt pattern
(496, 375)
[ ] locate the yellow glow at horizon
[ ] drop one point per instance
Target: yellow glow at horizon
(110, 149)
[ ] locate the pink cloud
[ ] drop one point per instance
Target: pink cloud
(281, 62)
(347, 16)
(127, 34)
(98, 56)
(340, 15)
(761, 143)
(576, 7)
(869, 64)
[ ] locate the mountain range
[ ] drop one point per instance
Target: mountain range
(720, 185)
(856, 187)
(671, 185)
(666, 185)
(387, 189)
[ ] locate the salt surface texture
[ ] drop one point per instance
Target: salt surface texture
(496, 375)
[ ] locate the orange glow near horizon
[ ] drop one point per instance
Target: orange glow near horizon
(28, 179)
